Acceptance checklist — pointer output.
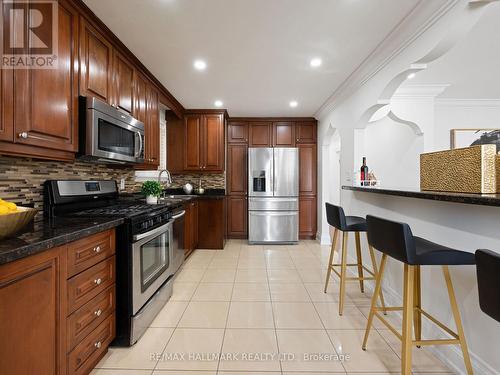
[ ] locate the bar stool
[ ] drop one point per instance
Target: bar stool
(488, 280)
(397, 241)
(336, 218)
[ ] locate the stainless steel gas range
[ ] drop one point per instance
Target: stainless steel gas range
(150, 247)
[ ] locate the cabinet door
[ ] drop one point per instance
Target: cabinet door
(123, 83)
(237, 132)
(260, 134)
(237, 166)
(6, 105)
(96, 65)
(192, 154)
(213, 143)
(307, 169)
(175, 143)
(306, 132)
(307, 217)
(152, 128)
(283, 134)
(237, 217)
(31, 315)
(195, 224)
(140, 97)
(46, 100)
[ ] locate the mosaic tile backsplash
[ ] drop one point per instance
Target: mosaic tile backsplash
(21, 179)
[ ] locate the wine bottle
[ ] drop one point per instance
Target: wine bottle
(364, 173)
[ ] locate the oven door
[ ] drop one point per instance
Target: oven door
(113, 139)
(151, 263)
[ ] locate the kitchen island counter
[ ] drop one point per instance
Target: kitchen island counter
(47, 233)
(476, 199)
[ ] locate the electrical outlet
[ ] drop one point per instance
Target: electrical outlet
(122, 184)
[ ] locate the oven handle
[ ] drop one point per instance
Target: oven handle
(179, 215)
(152, 233)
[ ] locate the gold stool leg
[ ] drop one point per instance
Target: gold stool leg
(375, 271)
(343, 271)
(360, 261)
(407, 339)
(417, 305)
(377, 291)
(330, 261)
(458, 320)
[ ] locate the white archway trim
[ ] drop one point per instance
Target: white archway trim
(416, 129)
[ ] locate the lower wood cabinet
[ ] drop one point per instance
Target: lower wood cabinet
(307, 217)
(211, 223)
(53, 320)
(237, 216)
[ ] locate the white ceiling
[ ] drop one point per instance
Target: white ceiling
(257, 51)
(471, 68)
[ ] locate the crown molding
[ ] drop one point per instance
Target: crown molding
(422, 17)
(468, 103)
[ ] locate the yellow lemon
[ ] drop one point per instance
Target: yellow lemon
(2, 202)
(4, 210)
(11, 206)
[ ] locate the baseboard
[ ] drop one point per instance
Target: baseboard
(450, 355)
(325, 239)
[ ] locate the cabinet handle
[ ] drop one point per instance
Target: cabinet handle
(23, 135)
(26, 135)
(98, 344)
(98, 281)
(98, 312)
(97, 249)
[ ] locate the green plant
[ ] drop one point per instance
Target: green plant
(151, 188)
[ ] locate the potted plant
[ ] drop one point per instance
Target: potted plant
(152, 190)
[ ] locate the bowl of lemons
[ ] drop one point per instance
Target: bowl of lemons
(14, 218)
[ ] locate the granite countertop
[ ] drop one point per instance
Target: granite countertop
(209, 194)
(48, 233)
(476, 199)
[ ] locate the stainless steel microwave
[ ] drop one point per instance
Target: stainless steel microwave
(108, 134)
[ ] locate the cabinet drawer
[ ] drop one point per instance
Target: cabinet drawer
(86, 354)
(89, 316)
(84, 253)
(88, 284)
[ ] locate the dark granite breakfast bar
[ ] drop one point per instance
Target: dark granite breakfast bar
(476, 199)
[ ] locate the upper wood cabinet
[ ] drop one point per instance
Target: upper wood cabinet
(175, 143)
(140, 97)
(204, 142)
(260, 134)
(152, 130)
(96, 63)
(46, 100)
(306, 131)
(307, 169)
(6, 105)
(284, 134)
(237, 132)
(123, 83)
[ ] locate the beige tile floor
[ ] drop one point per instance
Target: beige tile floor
(260, 310)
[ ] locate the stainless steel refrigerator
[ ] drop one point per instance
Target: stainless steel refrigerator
(273, 205)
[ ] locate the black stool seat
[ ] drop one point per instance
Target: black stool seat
(355, 224)
(431, 253)
(488, 280)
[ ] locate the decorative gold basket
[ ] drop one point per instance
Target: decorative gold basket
(12, 223)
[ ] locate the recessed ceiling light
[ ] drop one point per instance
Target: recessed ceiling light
(411, 76)
(293, 104)
(218, 103)
(200, 65)
(316, 62)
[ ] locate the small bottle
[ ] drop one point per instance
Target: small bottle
(364, 173)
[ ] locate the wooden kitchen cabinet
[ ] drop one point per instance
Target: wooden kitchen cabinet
(46, 100)
(306, 131)
(6, 100)
(152, 128)
(237, 132)
(284, 134)
(260, 134)
(140, 97)
(307, 217)
(211, 223)
(175, 143)
(237, 216)
(96, 63)
(237, 167)
(123, 83)
(307, 169)
(204, 142)
(32, 315)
